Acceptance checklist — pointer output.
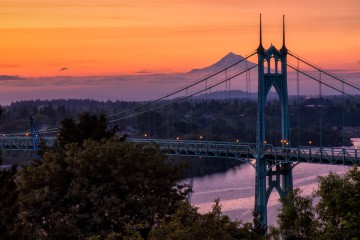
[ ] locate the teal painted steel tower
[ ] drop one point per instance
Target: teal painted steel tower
(272, 72)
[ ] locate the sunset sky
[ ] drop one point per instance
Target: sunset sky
(112, 37)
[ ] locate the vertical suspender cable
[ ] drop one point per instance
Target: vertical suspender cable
(228, 103)
(149, 124)
(172, 121)
(247, 79)
(343, 113)
(229, 97)
(168, 120)
(187, 117)
(154, 123)
(298, 102)
(206, 112)
(321, 112)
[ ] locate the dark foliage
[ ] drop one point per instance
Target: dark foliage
(89, 126)
(8, 204)
(97, 188)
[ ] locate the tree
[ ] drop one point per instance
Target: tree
(8, 203)
(187, 223)
(88, 126)
(338, 209)
(296, 219)
(336, 216)
(97, 188)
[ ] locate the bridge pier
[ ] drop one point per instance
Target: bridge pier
(261, 190)
(266, 179)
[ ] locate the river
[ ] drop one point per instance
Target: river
(236, 188)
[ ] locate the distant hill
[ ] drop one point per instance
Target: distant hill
(232, 94)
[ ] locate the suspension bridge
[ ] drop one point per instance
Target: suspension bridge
(273, 164)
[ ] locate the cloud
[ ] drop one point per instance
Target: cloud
(358, 61)
(144, 71)
(63, 69)
(8, 77)
(9, 65)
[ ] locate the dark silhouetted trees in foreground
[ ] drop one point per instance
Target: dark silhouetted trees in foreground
(93, 186)
(335, 216)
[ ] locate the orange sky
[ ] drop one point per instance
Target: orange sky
(108, 37)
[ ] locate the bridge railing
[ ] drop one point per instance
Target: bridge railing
(328, 155)
(213, 149)
(21, 143)
(238, 151)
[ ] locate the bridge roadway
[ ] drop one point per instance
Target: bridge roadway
(228, 150)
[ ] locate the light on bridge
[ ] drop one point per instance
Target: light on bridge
(310, 142)
(145, 135)
(237, 140)
(201, 137)
(177, 138)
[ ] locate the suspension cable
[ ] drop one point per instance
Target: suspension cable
(183, 88)
(326, 84)
(186, 97)
(324, 72)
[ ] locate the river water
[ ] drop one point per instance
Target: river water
(236, 188)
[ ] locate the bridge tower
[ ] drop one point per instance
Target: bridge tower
(272, 72)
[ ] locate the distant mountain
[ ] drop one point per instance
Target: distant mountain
(228, 60)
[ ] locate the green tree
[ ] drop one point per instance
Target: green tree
(297, 217)
(97, 188)
(336, 216)
(187, 223)
(339, 207)
(88, 126)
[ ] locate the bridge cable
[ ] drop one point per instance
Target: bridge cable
(186, 97)
(324, 72)
(227, 83)
(298, 101)
(321, 105)
(342, 91)
(343, 116)
(326, 84)
(207, 112)
(183, 88)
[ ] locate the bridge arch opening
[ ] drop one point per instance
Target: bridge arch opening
(278, 66)
(266, 66)
(272, 66)
(272, 118)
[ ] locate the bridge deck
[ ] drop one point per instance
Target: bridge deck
(228, 150)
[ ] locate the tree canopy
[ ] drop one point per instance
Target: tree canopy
(88, 126)
(187, 223)
(97, 188)
(335, 216)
